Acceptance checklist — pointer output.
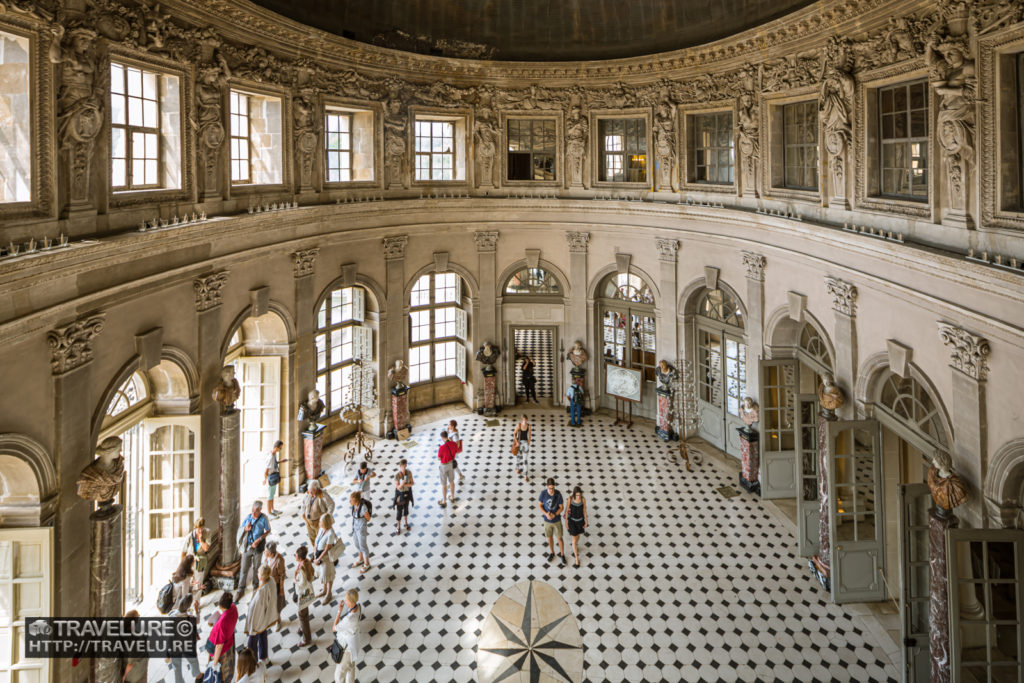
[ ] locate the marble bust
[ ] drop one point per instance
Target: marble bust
(101, 479)
(947, 487)
(228, 391)
(830, 396)
(578, 355)
(488, 355)
(313, 408)
(399, 374)
(750, 412)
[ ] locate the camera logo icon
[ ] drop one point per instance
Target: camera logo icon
(39, 628)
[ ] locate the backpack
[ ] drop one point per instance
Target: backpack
(369, 507)
(165, 598)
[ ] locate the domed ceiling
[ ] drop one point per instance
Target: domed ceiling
(540, 30)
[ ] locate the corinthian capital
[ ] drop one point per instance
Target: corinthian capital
(304, 261)
(578, 241)
(71, 345)
(968, 352)
(208, 290)
(394, 247)
(754, 263)
(486, 240)
(667, 249)
(844, 296)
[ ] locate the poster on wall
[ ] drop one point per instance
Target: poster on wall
(623, 383)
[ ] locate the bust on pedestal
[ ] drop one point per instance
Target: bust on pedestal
(100, 482)
(948, 491)
(399, 376)
(488, 356)
(665, 374)
(313, 435)
(750, 446)
(226, 393)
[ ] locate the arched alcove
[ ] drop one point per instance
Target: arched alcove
(28, 482)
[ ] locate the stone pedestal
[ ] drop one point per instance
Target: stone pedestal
(312, 451)
(490, 393)
(939, 521)
(230, 456)
(664, 426)
(750, 460)
(821, 564)
(400, 408)
(105, 585)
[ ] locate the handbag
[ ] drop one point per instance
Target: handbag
(336, 653)
(212, 675)
(336, 550)
(274, 478)
(514, 450)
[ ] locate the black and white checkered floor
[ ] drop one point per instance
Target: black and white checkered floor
(677, 583)
(538, 345)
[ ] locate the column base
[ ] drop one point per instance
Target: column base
(750, 486)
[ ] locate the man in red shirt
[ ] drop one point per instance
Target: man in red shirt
(446, 455)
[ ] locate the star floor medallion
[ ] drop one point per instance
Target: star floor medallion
(530, 636)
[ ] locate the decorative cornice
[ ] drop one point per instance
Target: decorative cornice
(304, 261)
(844, 296)
(754, 263)
(71, 345)
(394, 247)
(486, 240)
(208, 290)
(578, 241)
(667, 249)
(968, 352)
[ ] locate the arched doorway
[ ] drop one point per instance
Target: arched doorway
(531, 303)
(720, 364)
(625, 304)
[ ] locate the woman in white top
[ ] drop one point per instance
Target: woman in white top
(245, 669)
(348, 632)
(262, 615)
(325, 538)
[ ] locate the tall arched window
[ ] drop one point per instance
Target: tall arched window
(721, 365)
(341, 340)
(130, 394)
(438, 327)
(627, 322)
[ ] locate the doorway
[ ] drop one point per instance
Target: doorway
(538, 343)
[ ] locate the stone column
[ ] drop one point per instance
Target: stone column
(71, 351)
(304, 367)
(488, 327)
(394, 256)
(208, 293)
(667, 340)
(230, 456)
(939, 521)
(106, 588)
(576, 305)
(754, 328)
(844, 304)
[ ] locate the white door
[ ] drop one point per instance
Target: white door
(808, 503)
(25, 583)
(735, 390)
(260, 406)
(172, 492)
(134, 502)
(915, 601)
(778, 428)
(856, 515)
(710, 387)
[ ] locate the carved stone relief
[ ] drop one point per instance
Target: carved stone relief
(211, 80)
(304, 261)
(307, 129)
(577, 133)
(835, 105)
(665, 145)
(486, 240)
(71, 345)
(396, 124)
(209, 290)
(754, 263)
(485, 141)
(748, 128)
(968, 352)
(579, 242)
(844, 296)
(394, 247)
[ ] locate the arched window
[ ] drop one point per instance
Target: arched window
(813, 344)
(627, 323)
(438, 326)
(719, 306)
(128, 395)
(533, 281)
(340, 341)
(907, 401)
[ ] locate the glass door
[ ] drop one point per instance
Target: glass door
(778, 428)
(710, 386)
(915, 596)
(260, 406)
(25, 585)
(735, 389)
(132, 497)
(808, 504)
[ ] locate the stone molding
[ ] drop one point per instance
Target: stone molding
(394, 247)
(304, 261)
(486, 240)
(579, 242)
(968, 352)
(209, 290)
(844, 296)
(668, 250)
(71, 345)
(754, 263)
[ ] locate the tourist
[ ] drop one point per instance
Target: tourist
(221, 644)
(361, 482)
(315, 505)
(446, 455)
(275, 560)
(403, 495)
(551, 506)
(245, 671)
(197, 544)
(522, 440)
(577, 519)
(529, 380)
(575, 395)
(361, 512)
(262, 615)
(347, 628)
(181, 579)
(304, 591)
(272, 476)
(177, 664)
(453, 436)
(325, 539)
(136, 669)
(253, 536)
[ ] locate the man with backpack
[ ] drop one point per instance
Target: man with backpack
(575, 395)
(252, 538)
(446, 455)
(362, 510)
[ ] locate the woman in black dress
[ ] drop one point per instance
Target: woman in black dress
(529, 380)
(576, 519)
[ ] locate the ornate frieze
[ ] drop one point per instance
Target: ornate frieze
(486, 240)
(209, 289)
(754, 263)
(667, 249)
(394, 247)
(844, 296)
(968, 352)
(578, 241)
(304, 261)
(71, 345)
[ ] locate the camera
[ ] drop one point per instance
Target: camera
(39, 628)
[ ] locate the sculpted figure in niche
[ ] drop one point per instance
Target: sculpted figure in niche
(954, 80)
(228, 391)
(395, 125)
(485, 139)
(488, 356)
(577, 130)
(836, 99)
(665, 145)
(101, 479)
(830, 396)
(80, 109)
(399, 375)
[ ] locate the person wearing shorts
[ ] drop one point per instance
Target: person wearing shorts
(446, 457)
(272, 476)
(403, 495)
(453, 436)
(522, 437)
(551, 506)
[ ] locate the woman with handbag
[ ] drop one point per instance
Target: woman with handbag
(325, 540)
(272, 476)
(262, 616)
(348, 638)
(522, 439)
(275, 560)
(304, 592)
(197, 544)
